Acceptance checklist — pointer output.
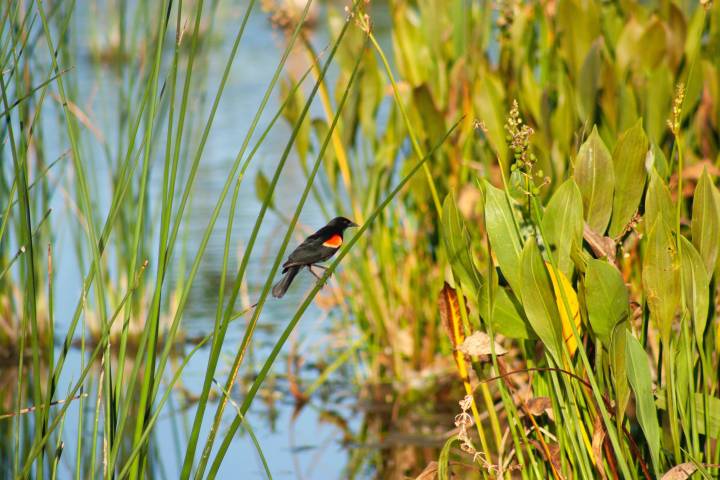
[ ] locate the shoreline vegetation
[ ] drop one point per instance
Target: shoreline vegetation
(532, 291)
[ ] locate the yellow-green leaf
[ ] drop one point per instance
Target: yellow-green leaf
(595, 177)
(658, 203)
(563, 224)
(606, 297)
(502, 231)
(506, 316)
(696, 285)
(705, 223)
(457, 246)
(618, 367)
(629, 164)
(538, 300)
(640, 380)
(661, 278)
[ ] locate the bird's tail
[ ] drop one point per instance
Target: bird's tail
(281, 287)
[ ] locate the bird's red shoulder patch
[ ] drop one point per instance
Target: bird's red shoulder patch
(333, 242)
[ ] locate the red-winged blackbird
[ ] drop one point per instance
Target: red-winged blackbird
(318, 247)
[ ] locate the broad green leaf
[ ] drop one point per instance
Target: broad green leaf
(580, 25)
(694, 85)
(652, 47)
(705, 223)
(657, 107)
(502, 231)
(618, 367)
(532, 91)
(661, 278)
(658, 203)
(563, 118)
(659, 161)
(507, 320)
(628, 113)
(676, 33)
(696, 285)
(595, 177)
(694, 34)
(627, 44)
(640, 380)
(629, 164)
(538, 300)
(506, 317)
(563, 224)
(457, 246)
(412, 56)
(589, 82)
(433, 119)
(489, 101)
(681, 348)
(606, 298)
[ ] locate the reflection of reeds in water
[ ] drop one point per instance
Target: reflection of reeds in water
(133, 327)
(12, 334)
(286, 14)
(110, 42)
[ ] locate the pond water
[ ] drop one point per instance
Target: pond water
(302, 446)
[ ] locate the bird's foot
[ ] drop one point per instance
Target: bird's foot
(321, 281)
(309, 267)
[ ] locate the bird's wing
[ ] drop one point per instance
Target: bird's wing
(304, 251)
(311, 250)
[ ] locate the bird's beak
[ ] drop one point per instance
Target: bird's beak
(353, 224)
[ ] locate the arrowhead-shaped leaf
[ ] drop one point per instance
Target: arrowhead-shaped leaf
(641, 382)
(696, 285)
(595, 176)
(606, 298)
(538, 300)
(629, 165)
(705, 224)
(658, 203)
(563, 224)
(504, 240)
(457, 246)
(661, 277)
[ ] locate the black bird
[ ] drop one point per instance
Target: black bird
(316, 248)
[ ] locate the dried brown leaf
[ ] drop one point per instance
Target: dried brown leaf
(450, 315)
(430, 472)
(597, 446)
(538, 405)
(600, 245)
(553, 449)
(680, 472)
(479, 344)
(691, 174)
